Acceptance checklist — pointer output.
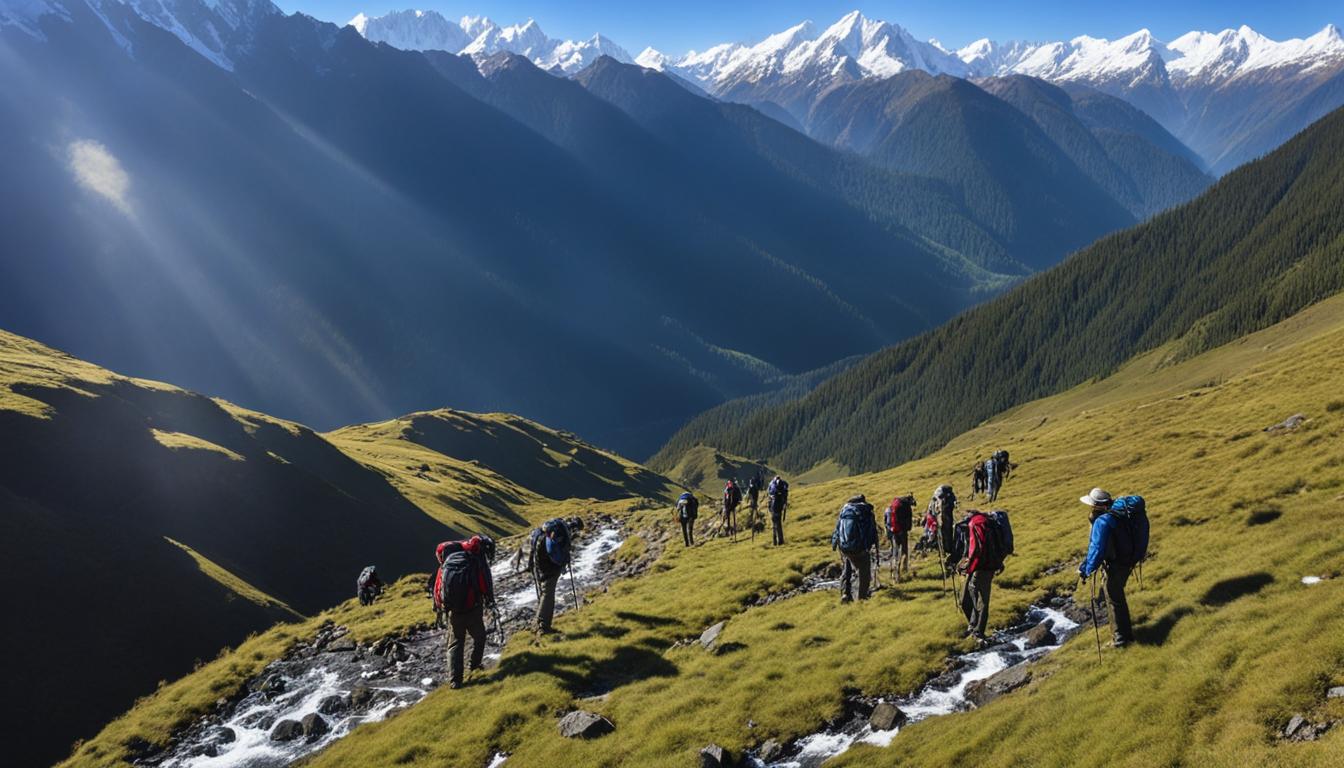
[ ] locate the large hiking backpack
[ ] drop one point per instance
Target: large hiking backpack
(779, 494)
(365, 576)
(900, 515)
(556, 548)
(732, 495)
(1129, 538)
(1001, 530)
(944, 500)
(688, 507)
(854, 529)
(992, 471)
(460, 581)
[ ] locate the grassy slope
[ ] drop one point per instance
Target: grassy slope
(226, 519)
(707, 470)
(1231, 643)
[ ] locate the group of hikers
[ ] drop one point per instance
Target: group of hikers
(777, 502)
(976, 547)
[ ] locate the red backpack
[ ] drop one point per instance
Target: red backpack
(899, 515)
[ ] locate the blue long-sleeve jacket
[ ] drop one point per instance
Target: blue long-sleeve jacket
(1101, 539)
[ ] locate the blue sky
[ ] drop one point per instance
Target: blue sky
(675, 27)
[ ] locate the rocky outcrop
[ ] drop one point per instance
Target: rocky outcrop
(585, 725)
(715, 756)
(1041, 635)
(711, 636)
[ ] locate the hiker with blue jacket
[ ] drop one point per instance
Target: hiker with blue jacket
(855, 535)
(1119, 542)
(549, 554)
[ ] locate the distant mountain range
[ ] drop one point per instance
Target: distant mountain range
(612, 252)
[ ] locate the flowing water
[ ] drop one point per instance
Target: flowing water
(348, 684)
(943, 695)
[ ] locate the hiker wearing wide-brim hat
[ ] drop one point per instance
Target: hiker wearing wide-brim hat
(1106, 529)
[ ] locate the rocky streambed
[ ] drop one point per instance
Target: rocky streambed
(325, 687)
(971, 679)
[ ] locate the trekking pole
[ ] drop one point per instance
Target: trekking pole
(1096, 627)
(573, 591)
(877, 569)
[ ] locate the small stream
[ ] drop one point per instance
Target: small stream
(324, 688)
(945, 694)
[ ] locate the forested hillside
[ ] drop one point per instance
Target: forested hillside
(1263, 243)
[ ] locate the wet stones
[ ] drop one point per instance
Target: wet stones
(333, 705)
(314, 726)
(714, 756)
(584, 725)
(981, 692)
(886, 716)
(770, 751)
(1041, 635)
(363, 697)
(287, 730)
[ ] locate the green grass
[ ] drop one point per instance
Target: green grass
(1231, 643)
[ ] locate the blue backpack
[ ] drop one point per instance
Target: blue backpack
(688, 507)
(556, 546)
(854, 530)
(1129, 539)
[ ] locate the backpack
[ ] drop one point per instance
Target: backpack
(460, 581)
(365, 576)
(944, 500)
(1001, 530)
(1129, 538)
(779, 493)
(961, 541)
(732, 496)
(899, 514)
(992, 470)
(556, 548)
(688, 507)
(853, 531)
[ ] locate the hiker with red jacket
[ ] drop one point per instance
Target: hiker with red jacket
(899, 521)
(732, 497)
(982, 563)
(463, 589)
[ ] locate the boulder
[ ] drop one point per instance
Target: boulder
(1335, 693)
(314, 726)
(363, 696)
(1041, 635)
(224, 735)
(981, 692)
(886, 716)
(334, 704)
(1293, 726)
(584, 725)
(1288, 424)
(715, 756)
(287, 730)
(711, 635)
(344, 645)
(770, 751)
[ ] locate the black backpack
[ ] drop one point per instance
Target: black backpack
(961, 542)
(550, 544)
(365, 576)
(460, 580)
(688, 507)
(854, 530)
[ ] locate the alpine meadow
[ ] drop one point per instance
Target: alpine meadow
(703, 386)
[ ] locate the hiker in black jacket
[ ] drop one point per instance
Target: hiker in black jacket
(855, 536)
(368, 586)
(779, 503)
(688, 508)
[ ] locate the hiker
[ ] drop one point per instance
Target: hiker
(732, 497)
(464, 588)
(754, 486)
(928, 542)
(978, 479)
(547, 558)
(1005, 467)
(983, 562)
(368, 586)
(992, 479)
(855, 534)
(778, 494)
(1119, 541)
(942, 506)
(899, 521)
(688, 508)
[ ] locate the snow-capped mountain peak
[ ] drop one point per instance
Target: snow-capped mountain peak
(480, 37)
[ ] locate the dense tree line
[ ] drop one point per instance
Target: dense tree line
(1262, 244)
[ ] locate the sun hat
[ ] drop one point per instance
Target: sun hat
(1096, 498)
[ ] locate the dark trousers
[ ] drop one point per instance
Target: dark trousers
(946, 532)
(975, 600)
(855, 562)
(688, 531)
(1116, 604)
(459, 626)
(777, 527)
(546, 605)
(730, 517)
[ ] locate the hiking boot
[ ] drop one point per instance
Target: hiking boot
(454, 685)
